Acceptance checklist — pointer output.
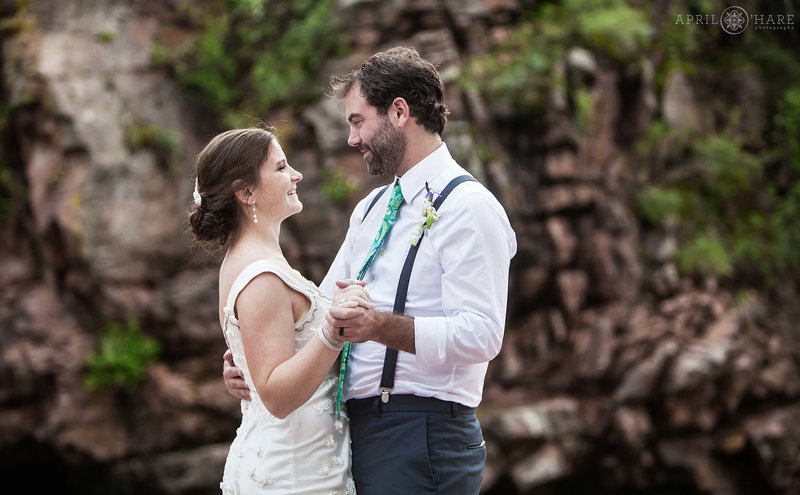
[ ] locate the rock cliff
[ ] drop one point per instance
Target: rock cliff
(618, 373)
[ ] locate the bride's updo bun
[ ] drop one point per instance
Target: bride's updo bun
(230, 162)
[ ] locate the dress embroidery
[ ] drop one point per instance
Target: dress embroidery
(266, 481)
(272, 455)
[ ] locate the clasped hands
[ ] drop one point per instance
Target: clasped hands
(352, 317)
(352, 311)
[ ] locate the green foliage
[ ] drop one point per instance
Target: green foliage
(705, 254)
(612, 27)
(655, 144)
(729, 190)
(726, 169)
(787, 124)
(730, 215)
(258, 54)
(584, 108)
(212, 71)
(106, 36)
(163, 142)
(732, 199)
(661, 205)
(486, 154)
(7, 185)
(682, 45)
(6, 202)
(121, 358)
(521, 71)
(768, 240)
(775, 57)
(336, 187)
(704, 50)
(19, 21)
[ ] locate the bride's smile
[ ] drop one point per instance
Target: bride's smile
(275, 195)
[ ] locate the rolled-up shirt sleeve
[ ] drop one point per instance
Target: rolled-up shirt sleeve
(474, 243)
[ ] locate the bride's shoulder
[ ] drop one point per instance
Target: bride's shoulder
(229, 271)
(239, 271)
(258, 288)
(246, 260)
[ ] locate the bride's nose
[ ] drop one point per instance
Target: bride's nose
(296, 176)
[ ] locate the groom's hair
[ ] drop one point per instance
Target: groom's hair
(399, 72)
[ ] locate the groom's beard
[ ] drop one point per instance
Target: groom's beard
(387, 149)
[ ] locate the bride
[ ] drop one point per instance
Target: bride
(273, 319)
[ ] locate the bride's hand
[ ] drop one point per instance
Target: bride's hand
(352, 293)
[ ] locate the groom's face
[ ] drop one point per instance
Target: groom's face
(382, 145)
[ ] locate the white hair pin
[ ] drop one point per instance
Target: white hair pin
(196, 193)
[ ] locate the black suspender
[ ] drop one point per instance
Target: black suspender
(375, 200)
(390, 360)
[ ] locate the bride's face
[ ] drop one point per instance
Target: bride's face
(276, 193)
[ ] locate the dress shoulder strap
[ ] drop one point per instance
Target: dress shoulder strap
(256, 268)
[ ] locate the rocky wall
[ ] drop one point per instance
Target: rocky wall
(616, 373)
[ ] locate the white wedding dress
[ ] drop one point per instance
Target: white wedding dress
(308, 452)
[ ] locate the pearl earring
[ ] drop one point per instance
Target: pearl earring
(255, 218)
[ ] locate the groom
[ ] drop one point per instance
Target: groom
(412, 412)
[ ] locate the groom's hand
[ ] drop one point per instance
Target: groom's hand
(358, 322)
(363, 324)
(234, 378)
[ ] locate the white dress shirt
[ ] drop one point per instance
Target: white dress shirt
(457, 292)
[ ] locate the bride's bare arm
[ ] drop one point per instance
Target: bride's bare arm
(284, 380)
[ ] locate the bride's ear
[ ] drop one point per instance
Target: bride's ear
(243, 195)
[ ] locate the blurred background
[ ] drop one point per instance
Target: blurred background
(647, 153)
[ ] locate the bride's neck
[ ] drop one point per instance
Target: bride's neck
(264, 235)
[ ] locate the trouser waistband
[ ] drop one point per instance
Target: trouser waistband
(406, 403)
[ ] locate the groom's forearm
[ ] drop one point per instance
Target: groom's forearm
(395, 331)
(363, 324)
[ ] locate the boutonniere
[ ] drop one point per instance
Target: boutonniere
(429, 215)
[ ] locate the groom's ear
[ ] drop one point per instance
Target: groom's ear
(399, 112)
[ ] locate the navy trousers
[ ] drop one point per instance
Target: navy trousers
(415, 446)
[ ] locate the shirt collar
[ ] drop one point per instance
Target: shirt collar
(413, 181)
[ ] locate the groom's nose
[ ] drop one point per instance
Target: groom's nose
(354, 139)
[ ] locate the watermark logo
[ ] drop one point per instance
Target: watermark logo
(735, 20)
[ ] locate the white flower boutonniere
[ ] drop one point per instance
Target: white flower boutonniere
(429, 215)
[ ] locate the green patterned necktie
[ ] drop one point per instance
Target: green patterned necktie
(386, 225)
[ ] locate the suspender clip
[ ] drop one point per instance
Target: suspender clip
(390, 359)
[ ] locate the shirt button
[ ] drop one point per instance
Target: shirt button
(383, 252)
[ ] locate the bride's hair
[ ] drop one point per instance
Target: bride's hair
(230, 162)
